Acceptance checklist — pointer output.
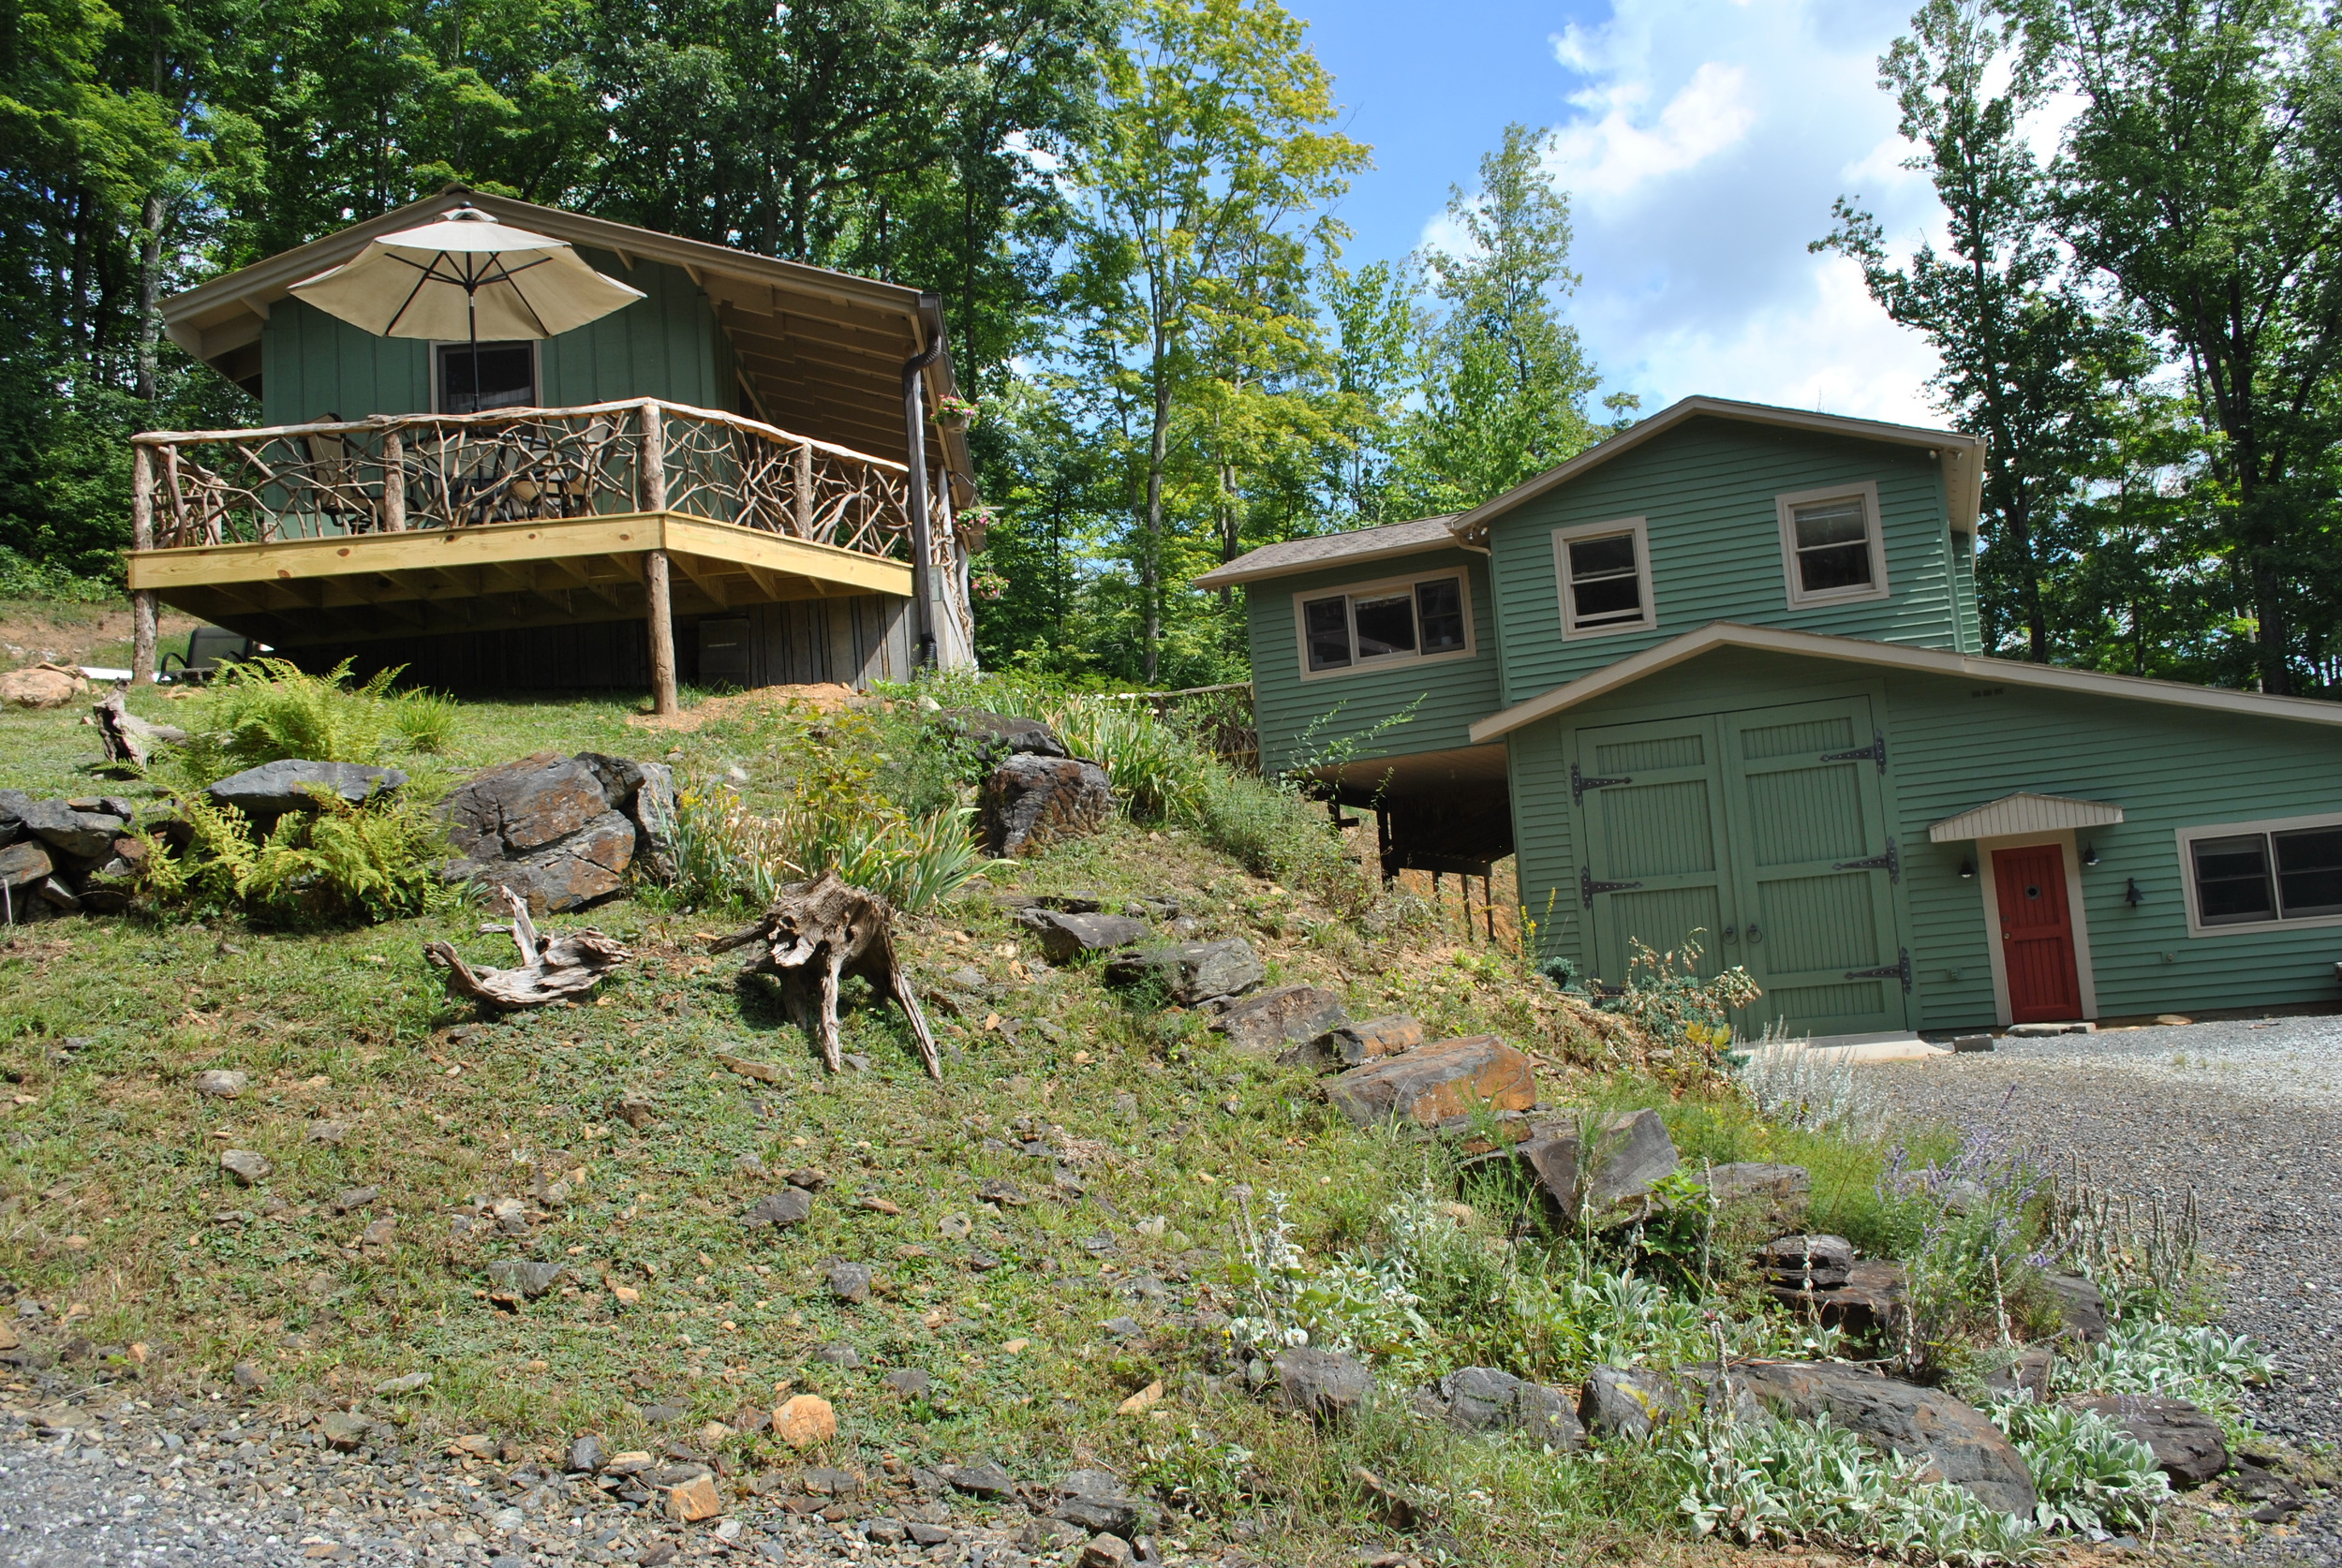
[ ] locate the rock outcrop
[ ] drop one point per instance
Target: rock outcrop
(1032, 801)
(1190, 973)
(1958, 1438)
(1268, 1022)
(561, 832)
(292, 784)
(1433, 1082)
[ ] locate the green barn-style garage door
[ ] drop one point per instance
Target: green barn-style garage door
(1767, 831)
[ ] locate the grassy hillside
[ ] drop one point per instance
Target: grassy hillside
(1152, 1176)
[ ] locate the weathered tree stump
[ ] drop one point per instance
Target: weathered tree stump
(128, 738)
(568, 966)
(817, 933)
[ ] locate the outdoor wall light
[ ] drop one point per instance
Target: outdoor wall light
(1967, 869)
(2132, 895)
(2089, 855)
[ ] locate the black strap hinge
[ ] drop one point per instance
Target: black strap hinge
(1889, 863)
(1588, 887)
(1579, 784)
(1899, 970)
(1876, 751)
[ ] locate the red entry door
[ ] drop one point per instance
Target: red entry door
(2037, 935)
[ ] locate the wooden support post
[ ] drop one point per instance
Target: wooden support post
(805, 490)
(143, 537)
(662, 693)
(654, 471)
(394, 483)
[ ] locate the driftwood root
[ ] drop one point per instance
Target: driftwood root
(550, 971)
(814, 935)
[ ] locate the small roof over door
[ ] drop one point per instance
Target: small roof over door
(2024, 812)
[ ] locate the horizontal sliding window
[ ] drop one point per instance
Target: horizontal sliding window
(1605, 577)
(2285, 872)
(1385, 623)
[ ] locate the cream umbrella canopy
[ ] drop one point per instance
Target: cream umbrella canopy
(464, 275)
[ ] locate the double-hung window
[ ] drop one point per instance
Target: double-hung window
(1385, 623)
(2258, 875)
(1831, 544)
(1605, 573)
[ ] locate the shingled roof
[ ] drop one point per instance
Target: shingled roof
(1324, 549)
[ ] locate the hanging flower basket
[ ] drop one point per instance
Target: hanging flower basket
(955, 413)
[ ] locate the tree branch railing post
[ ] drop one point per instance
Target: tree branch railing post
(142, 538)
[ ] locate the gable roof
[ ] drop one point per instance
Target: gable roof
(2024, 812)
(821, 352)
(1896, 656)
(1324, 549)
(1962, 455)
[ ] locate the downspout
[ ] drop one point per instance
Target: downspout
(921, 542)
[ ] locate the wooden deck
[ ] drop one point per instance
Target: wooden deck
(291, 592)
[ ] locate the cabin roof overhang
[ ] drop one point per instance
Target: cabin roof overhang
(1896, 656)
(1293, 556)
(821, 352)
(1961, 455)
(2024, 812)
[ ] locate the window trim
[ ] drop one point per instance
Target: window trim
(536, 370)
(2185, 841)
(1785, 508)
(1350, 592)
(1563, 537)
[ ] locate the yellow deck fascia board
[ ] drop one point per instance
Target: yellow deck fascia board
(797, 558)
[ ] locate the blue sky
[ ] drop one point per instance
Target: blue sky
(1701, 141)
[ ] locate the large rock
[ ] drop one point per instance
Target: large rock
(42, 685)
(1875, 1297)
(24, 865)
(1631, 1152)
(1962, 1443)
(1483, 1399)
(1263, 1023)
(1032, 802)
(293, 784)
(588, 865)
(654, 812)
(2186, 1442)
(83, 835)
(2081, 1306)
(522, 806)
(1777, 1188)
(1321, 1383)
(1806, 1262)
(1431, 1083)
(1354, 1044)
(997, 736)
(1190, 973)
(1067, 937)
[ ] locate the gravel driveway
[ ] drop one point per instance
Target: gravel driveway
(2248, 1115)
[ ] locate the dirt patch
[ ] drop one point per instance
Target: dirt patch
(75, 633)
(821, 697)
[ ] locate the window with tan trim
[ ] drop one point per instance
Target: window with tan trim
(2264, 876)
(1832, 547)
(1374, 624)
(1605, 573)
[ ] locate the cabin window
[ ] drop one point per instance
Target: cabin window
(1385, 623)
(507, 377)
(1830, 545)
(1605, 578)
(2259, 875)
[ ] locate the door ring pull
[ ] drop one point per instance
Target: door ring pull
(1731, 934)
(1755, 934)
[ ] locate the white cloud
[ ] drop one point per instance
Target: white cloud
(1703, 145)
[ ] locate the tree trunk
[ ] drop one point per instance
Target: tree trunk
(151, 292)
(816, 934)
(1150, 521)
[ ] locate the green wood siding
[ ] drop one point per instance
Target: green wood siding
(1455, 692)
(1706, 489)
(665, 345)
(1953, 744)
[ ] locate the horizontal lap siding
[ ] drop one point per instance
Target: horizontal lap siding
(1454, 692)
(2167, 768)
(663, 346)
(1706, 489)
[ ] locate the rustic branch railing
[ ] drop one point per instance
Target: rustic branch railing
(398, 473)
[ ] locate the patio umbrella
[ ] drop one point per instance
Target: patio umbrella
(456, 275)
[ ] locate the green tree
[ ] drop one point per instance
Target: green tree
(1203, 192)
(1506, 380)
(2199, 180)
(1376, 317)
(2023, 357)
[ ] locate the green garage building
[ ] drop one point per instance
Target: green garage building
(1723, 672)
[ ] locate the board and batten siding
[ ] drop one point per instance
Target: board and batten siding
(1706, 491)
(665, 345)
(1454, 691)
(1955, 744)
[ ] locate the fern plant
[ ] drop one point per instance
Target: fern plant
(264, 710)
(368, 863)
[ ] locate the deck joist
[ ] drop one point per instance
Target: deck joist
(498, 576)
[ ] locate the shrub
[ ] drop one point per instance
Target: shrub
(369, 862)
(1770, 1480)
(1812, 1091)
(2090, 1473)
(2153, 1356)
(1666, 998)
(726, 854)
(265, 709)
